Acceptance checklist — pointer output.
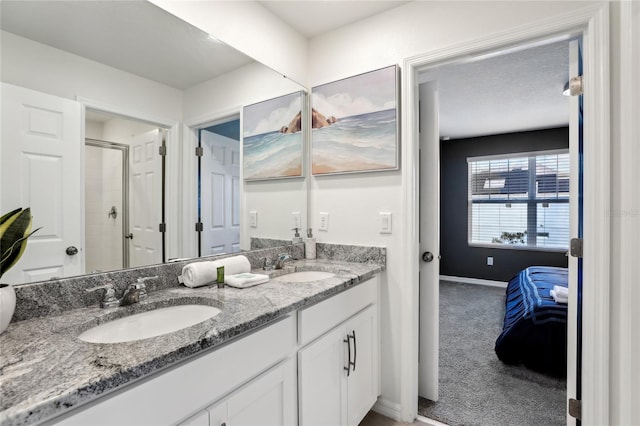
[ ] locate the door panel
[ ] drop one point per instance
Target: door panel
(429, 241)
(44, 133)
(362, 383)
(144, 199)
(220, 177)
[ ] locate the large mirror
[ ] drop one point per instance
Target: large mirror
(129, 128)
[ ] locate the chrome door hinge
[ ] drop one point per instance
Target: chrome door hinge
(199, 227)
(162, 150)
(576, 247)
(576, 87)
(162, 227)
(199, 151)
(575, 408)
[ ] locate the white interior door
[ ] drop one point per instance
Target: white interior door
(220, 180)
(41, 161)
(145, 199)
(429, 241)
(574, 219)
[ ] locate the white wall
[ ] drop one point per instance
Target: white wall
(354, 201)
(39, 67)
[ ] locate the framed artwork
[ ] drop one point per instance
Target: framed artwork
(354, 124)
(272, 138)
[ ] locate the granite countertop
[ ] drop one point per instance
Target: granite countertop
(45, 370)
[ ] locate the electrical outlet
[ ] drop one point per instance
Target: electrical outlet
(490, 260)
(324, 221)
(253, 219)
(295, 220)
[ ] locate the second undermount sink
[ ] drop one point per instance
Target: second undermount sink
(304, 276)
(149, 324)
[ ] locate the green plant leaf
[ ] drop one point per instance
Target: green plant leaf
(15, 229)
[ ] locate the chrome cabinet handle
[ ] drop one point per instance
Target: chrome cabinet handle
(129, 236)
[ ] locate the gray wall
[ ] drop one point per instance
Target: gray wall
(458, 259)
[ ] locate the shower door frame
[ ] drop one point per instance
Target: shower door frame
(124, 149)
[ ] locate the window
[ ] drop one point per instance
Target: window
(520, 200)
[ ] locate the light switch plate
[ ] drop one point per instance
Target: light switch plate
(324, 221)
(253, 219)
(385, 222)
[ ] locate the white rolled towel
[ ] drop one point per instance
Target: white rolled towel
(561, 291)
(235, 265)
(197, 274)
(559, 298)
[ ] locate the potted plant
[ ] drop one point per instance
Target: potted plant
(15, 229)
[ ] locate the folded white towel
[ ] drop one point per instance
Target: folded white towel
(245, 280)
(197, 274)
(559, 298)
(560, 290)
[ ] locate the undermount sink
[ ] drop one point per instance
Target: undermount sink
(149, 324)
(304, 276)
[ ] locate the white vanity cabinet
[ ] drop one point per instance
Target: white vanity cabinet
(338, 372)
(183, 393)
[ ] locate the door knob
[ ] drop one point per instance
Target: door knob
(427, 256)
(71, 250)
(129, 236)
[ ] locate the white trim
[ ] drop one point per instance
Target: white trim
(474, 281)
(592, 22)
(173, 181)
(388, 409)
(430, 422)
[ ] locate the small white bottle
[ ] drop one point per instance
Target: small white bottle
(310, 246)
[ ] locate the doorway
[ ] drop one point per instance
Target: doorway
(218, 182)
(514, 133)
(124, 192)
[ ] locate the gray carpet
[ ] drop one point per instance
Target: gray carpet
(476, 388)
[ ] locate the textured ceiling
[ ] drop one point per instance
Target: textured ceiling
(504, 93)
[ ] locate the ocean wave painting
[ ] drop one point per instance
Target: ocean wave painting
(354, 124)
(272, 138)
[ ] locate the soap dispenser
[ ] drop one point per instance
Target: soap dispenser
(297, 238)
(310, 245)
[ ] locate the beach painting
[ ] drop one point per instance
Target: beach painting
(355, 123)
(272, 138)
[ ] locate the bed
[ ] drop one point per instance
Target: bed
(535, 326)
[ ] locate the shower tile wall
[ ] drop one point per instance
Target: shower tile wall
(103, 189)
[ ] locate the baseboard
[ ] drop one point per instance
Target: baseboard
(388, 409)
(430, 422)
(476, 281)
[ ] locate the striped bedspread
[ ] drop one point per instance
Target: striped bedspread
(535, 326)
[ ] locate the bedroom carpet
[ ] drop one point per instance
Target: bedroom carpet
(476, 388)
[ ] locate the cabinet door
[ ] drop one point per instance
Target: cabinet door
(322, 388)
(363, 379)
(268, 400)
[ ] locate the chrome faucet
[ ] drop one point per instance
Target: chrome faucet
(135, 293)
(281, 259)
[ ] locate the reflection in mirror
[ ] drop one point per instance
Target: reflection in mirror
(135, 60)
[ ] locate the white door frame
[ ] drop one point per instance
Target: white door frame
(173, 181)
(593, 24)
(189, 189)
